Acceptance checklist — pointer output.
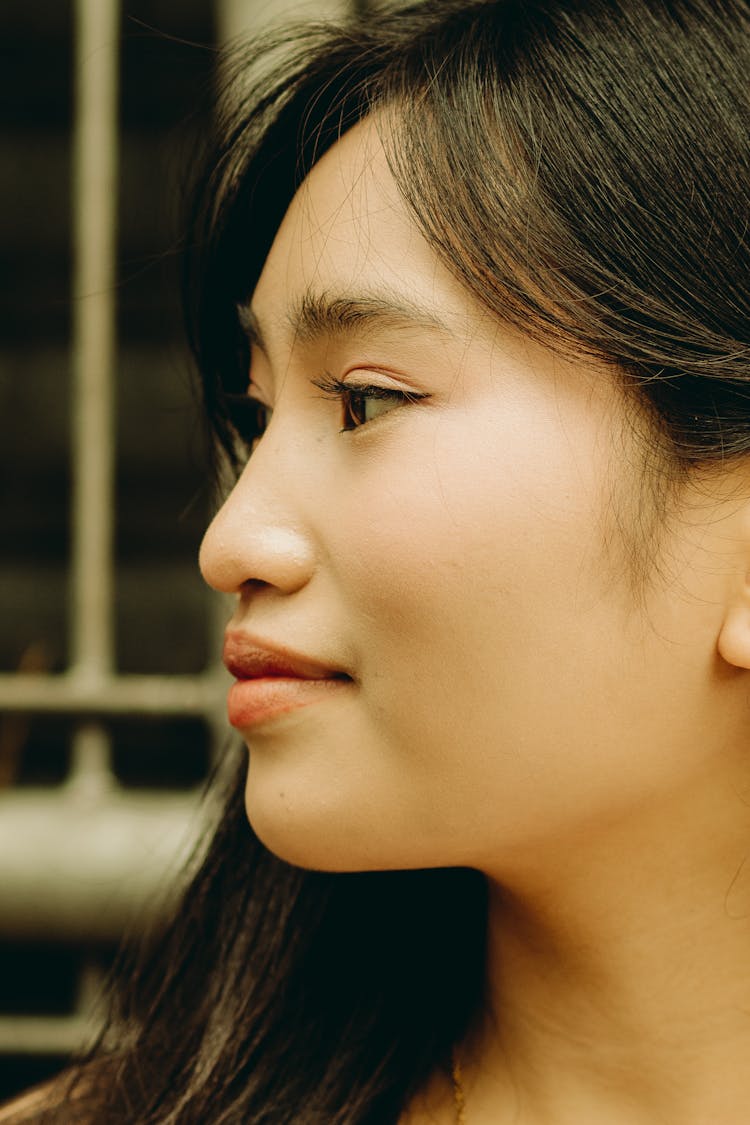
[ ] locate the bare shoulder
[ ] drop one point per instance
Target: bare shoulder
(29, 1106)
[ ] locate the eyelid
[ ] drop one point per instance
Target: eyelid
(341, 390)
(333, 387)
(364, 376)
(259, 376)
(367, 379)
(256, 394)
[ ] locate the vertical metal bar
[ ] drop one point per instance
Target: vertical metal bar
(95, 217)
(94, 356)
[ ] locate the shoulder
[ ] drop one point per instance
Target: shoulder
(29, 1106)
(55, 1094)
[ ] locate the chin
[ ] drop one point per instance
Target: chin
(303, 835)
(319, 840)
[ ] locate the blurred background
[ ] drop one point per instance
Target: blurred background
(111, 693)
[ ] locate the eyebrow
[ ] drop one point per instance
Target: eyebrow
(317, 315)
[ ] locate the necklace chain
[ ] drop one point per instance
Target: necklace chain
(458, 1090)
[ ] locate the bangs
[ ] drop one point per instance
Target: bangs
(551, 156)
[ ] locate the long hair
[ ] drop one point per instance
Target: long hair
(583, 167)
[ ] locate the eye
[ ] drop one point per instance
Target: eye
(248, 417)
(362, 404)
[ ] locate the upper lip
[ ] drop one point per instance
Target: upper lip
(250, 659)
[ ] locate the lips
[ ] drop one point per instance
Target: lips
(273, 681)
(247, 659)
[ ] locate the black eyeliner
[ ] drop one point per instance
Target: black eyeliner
(350, 393)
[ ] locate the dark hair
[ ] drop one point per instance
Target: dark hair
(583, 167)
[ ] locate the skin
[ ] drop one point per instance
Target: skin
(514, 707)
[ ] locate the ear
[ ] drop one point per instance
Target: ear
(734, 637)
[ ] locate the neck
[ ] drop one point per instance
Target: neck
(619, 976)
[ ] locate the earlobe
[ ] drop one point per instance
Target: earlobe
(734, 637)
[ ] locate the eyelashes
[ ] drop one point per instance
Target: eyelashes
(362, 403)
(359, 404)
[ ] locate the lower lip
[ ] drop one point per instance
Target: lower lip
(251, 702)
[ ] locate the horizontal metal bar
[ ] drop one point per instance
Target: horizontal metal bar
(68, 694)
(44, 1035)
(80, 869)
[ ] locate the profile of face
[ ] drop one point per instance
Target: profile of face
(447, 534)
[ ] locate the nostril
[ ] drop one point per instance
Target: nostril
(253, 586)
(253, 544)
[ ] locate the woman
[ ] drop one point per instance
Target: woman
(469, 288)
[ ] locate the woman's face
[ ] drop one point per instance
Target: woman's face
(456, 547)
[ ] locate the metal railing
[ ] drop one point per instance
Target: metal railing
(79, 862)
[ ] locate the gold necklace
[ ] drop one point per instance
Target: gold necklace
(458, 1090)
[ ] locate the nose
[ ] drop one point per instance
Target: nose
(257, 536)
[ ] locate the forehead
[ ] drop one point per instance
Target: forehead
(348, 231)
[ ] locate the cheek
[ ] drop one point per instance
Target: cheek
(465, 568)
(477, 586)
(451, 543)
